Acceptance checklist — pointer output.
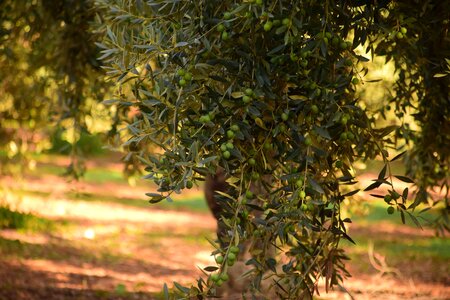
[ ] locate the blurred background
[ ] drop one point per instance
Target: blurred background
(74, 219)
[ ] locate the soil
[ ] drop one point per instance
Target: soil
(115, 251)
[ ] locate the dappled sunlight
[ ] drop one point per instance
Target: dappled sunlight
(102, 237)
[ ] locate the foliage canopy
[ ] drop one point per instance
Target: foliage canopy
(267, 91)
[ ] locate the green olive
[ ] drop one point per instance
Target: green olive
(189, 184)
(390, 210)
(231, 256)
(224, 277)
(302, 195)
(234, 249)
(230, 134)
(246, 99)
(225, 36)
(286, 21)
(215, 277)
(249, 92)
(220, 28)
(219, 259)
(268, 26)
(284, 116)
(226, 154)
(182, 82)
(308, 141)
(252, 162)
(227, 15)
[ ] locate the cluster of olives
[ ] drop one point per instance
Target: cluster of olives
(230, 259)
(185, 77)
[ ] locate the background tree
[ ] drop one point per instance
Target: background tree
(50, 75)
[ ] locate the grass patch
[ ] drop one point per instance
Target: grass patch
(377, 212)
(196, 203)
(10, 219)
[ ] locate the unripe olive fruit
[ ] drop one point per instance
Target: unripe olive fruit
(343, 136)
(215, 277)
(302, 195)
(219, 282)
(335, 41)
(308, 141)
(338, 164)
(189, 184)
(187, 76)
(314, 109)
(399, 35)
(286, 21)
(255, 176)
(403, 30)
(182, 82)
(225, 36)
(268, 26)
(181, 72)
(230, 134)
(226, 154)
(235, 128)
(259, 2)
(231, 256)
(246, 99)
(252, 162)
(234, 249)
(220, 28)
(227, 15)
(249, 194)
(390, 210)
(284, 116)
(355, 80)
(224, 277)
(387, 198)
(219, 259)
(229, 146)
(223, 147)
(248, 92)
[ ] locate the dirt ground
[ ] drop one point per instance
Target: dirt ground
(116, 251)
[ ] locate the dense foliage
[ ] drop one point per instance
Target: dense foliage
(266, 90)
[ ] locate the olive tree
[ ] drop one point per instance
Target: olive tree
(50, 77)
(266, 91)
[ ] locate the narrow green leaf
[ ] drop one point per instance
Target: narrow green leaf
(404, 178)
(166, 292)
(438, 75)
(181, 288)
(398, 156)
(382, 173)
